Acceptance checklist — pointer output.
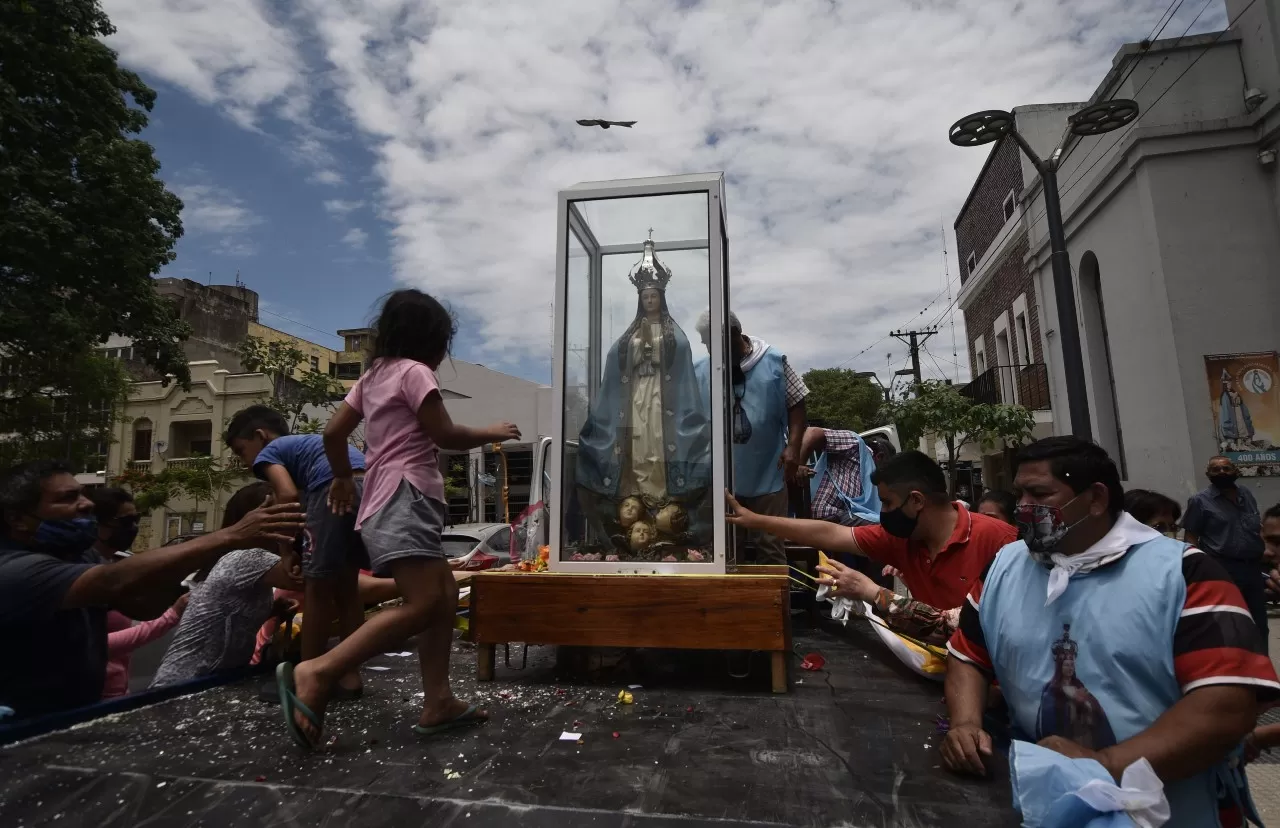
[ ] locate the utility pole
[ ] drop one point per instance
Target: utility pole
(914, 339)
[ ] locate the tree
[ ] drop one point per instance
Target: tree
(84, 222)
(292, 392)
(841, 399)
(201, 479)
(942, 410)
(46, 421)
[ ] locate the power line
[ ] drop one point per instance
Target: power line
(1122, 133)
(903, 325)
(1076, 179)
(299, 324)
(944, 359)
(941, 373)
(1175, 43)
(1165, 19)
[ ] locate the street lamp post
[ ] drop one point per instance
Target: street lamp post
(992, 125)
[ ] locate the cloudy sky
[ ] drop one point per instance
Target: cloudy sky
(331, 150)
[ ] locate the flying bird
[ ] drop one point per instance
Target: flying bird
(603, 124)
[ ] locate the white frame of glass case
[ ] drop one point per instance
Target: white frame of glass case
(716, 245)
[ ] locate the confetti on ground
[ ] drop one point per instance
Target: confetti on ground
(625, 697)
(813, 661)
(379, 669)
(566, 736)
(259, 779)
(616, 734)
(635, 686)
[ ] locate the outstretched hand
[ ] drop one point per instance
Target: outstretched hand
(502, 432)
(737, 514)
(269, 523)
(848, 582)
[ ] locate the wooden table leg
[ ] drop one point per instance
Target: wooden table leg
(485, 654)
(778, 671)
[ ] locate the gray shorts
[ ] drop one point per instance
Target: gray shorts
(330, 543)
(408, 525)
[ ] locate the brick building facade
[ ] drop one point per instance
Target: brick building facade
(999, 301)
(991, 240)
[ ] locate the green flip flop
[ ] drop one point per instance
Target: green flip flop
(290, 703)
(466, 718)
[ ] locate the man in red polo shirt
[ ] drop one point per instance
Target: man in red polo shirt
(940, 547)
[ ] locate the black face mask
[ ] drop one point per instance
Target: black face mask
(1223, 480)
(123, 535)
(898, 523)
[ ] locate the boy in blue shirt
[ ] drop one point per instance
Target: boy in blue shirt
(333, 555)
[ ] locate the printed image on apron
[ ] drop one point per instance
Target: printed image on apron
(1067, 708)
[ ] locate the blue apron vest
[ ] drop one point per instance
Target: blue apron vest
(1115, 627)
(866, 507)
(763, 401)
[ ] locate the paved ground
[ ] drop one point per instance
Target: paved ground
(1264, 775)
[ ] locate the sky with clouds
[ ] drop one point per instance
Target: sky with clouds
(331, 150)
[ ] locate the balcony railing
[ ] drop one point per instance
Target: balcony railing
(1024, 385)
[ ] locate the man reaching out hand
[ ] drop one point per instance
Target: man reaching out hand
(940, 547)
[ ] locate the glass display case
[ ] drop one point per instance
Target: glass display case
(640, 460)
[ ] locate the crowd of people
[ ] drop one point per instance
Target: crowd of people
(1106, 625)
(1091, 621)
(325, 533)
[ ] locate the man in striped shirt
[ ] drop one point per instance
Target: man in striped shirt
(1109, 640)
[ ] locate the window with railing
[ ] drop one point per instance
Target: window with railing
(1024, 385)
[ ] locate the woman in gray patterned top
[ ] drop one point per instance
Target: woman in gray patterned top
(226, 609)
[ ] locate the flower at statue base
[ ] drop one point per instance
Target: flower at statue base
(611, 558)
(577, 556)
(672, 519)
(697, 555)
(592, 556)
(640, 537)
(670, 559)
(538, 564)
(630, 510)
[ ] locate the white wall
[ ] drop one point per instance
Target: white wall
(1219, 239)
(1184, 225)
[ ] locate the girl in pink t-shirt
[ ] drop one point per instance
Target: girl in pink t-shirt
(401, 515)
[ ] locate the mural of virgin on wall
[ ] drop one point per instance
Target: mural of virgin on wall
(644, 453)
(1246, 410)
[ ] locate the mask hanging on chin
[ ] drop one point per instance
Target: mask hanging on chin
(66, 537)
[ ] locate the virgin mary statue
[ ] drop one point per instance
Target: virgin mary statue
(647, 436)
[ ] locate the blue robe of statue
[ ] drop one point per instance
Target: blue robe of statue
(603, 443)
(1233, 427)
